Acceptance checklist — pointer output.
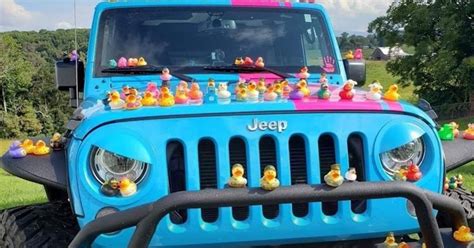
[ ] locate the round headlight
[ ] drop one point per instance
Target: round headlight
(107, 165)
(413, 152)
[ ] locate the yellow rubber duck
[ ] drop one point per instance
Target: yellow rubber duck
(115, 101)
(142, 62)
(390, 241)
(261, 86)
(392, 93)
(132, 102)
(277, 88)
(241, 95)
(304, 87)
(166, 99)
(269, 181)
(29, 146)
(463, 234)
(334, 178)
(41, 148)
(237, 179)
(349, 55)
(239, 61)
(127, 187)
(148, 99)
(401, 174)
(252, 91)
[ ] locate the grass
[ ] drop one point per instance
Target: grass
(16, 191)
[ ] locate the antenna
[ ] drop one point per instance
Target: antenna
(76, 48)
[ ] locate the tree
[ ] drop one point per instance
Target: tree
(442, 33)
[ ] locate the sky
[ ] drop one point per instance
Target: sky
(350, 16)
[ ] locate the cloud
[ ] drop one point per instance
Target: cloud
(64, 25)
(13, 14)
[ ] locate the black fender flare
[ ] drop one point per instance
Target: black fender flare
(458, 153)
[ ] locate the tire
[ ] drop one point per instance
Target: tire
(466, 198)
(47, 225)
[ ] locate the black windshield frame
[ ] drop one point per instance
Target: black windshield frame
(323, 33)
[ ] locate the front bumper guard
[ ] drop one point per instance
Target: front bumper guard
(147, 217)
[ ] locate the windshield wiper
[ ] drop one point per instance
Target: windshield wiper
(143, 70)
(250, 69)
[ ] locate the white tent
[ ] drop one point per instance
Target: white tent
(386, 53)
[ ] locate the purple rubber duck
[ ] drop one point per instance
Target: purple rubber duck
(16, 151)
(296, 94)
(74, 56)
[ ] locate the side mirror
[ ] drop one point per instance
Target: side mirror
(66, 79)
(356, 71)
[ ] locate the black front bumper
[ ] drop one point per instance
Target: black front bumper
(147, 217)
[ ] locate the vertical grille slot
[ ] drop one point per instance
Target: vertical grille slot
(297, 148)
(208, 174)
(327, 157)
(267, 149)
(355, 146)
(176, 176)
(238, 155)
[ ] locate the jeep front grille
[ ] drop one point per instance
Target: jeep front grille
(268, 152)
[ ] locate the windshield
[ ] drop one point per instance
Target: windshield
(186, 39)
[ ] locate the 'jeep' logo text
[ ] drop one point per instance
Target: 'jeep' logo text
(278, 126)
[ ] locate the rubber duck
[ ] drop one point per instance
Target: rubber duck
(459, 180)
(324, 92)
(184, 86)
(110, 187)
(259, 62)
(41, 148)
(222, 91)
(166, 98)
(304, 74)
(390, 241)
(402, 244)
(392, 93)
(248, 61)
(270, 94)
(261, 86)
(237, 179)
(195, 93)
(125, 92)
(165, 74)
(57, 142)
(269, 181)
(29, 146)
(401, 174)
(241, 95)
(153, 88)
(455, 129)
(113, 64)
(181, 97)
(349, 55)
(238, 61)
(358, 54)
(323, 79)
(446, 184)
(468, 134)
(148, 99)
(211, 95)
(278, 87)
(252, 94)
(413, 174)
(446, 132)
(132, 102)
(463, 234)
(286, 91)
(74, 56)
(334, 178)
(142, 62)
(16, 151)
(351, 175)
(127, 187)
(132, 62)
(304, 87)
(452, 183)
(375, 91)
(115, 100)
(347, 92)
(241, 84)
(122, 63)
(134, 91)
(297, 93)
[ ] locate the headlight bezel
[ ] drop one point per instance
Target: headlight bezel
(99, 169)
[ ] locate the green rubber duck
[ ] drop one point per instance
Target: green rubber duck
(446, 132)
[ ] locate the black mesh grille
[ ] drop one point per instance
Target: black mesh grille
(176, 176)
(238, 155)
(297, 149)
(208, 174)
(267, 149)
(355, 146)
(327, 157)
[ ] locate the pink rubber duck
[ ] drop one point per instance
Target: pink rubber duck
(304, 73)
(153, 89)
(358, 54)
(165, 74)
(122, 63)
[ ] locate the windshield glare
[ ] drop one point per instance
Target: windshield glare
(188, 39)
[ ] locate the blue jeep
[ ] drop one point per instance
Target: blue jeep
(179, 158)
